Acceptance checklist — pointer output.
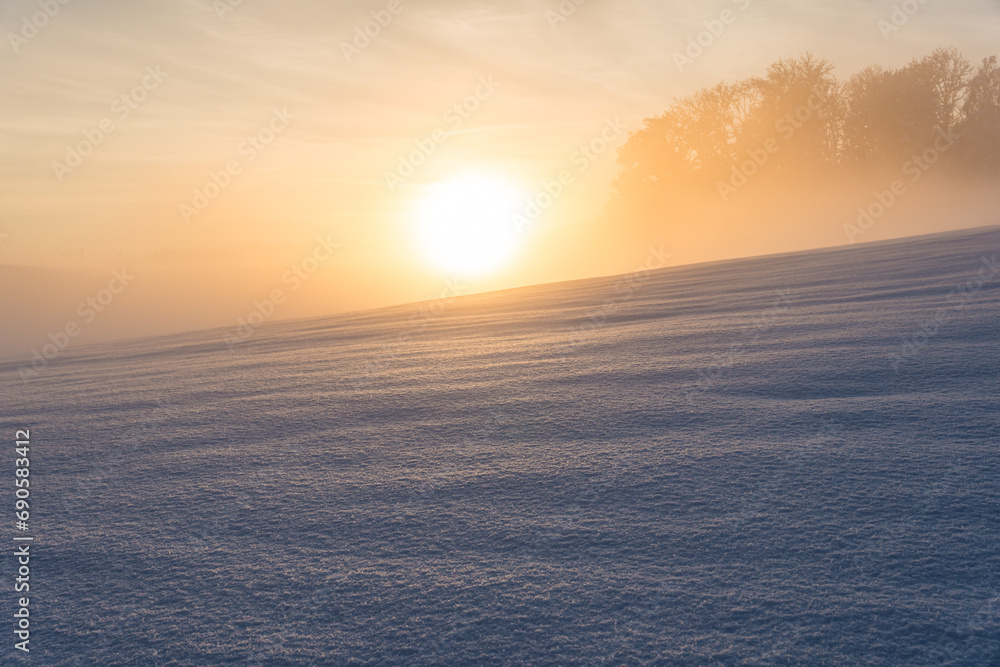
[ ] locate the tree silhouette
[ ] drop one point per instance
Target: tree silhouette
(980, 125)
(798, 121)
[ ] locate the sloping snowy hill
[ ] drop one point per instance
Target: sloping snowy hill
(780, 460)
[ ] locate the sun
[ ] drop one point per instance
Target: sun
(465, 225)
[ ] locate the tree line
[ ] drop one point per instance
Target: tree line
(798, 121)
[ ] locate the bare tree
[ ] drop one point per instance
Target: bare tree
(812, 124)
(980, 126)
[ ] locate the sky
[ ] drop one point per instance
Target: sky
(293, 120)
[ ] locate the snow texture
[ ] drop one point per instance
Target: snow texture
(772, 461)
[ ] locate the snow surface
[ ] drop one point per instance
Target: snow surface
(725, 466)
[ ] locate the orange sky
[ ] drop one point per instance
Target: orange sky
(292, 122)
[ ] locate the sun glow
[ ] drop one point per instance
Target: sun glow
(465, 225)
